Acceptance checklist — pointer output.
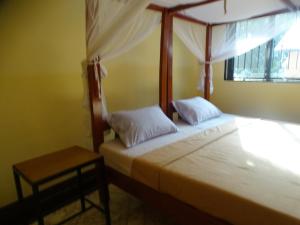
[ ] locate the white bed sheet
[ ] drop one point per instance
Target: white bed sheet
(120, 158)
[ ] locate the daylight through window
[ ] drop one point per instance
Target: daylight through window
(276, 60)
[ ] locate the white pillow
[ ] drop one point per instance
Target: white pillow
(196, 110)
(140, 125)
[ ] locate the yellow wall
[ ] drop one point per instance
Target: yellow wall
(41, 48)
(41, 89)
(133, 79)
(277, 101)
(186, 69)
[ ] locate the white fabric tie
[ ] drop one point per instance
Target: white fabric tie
(100, 74)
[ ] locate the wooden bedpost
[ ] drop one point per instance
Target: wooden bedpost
(165, 71)
(207, 60)
(98, 124)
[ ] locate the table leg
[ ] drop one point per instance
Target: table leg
(18, 185)
(37, 203)
(19, 189)
(82, 201)
(103, 190)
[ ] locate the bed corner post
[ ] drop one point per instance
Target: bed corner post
(170, 70)
(97, 124)
(95, 107)
(207, 61)
(165, 71)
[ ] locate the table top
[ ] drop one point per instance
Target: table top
(44, 167)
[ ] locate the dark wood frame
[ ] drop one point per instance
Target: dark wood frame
(207, 61)
(178, 210)
(178, 15)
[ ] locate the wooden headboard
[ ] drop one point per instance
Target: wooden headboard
(98, 124)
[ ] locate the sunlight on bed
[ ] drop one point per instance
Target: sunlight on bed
(274, 142)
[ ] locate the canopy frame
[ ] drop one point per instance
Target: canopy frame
(165, 77)
(166, 86)
(178, 210)
(191, 5)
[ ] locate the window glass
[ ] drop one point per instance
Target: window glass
(276, 60)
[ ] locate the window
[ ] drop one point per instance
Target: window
(278, 60)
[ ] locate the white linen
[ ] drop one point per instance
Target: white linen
(114, 27)
(238, 38)
(231, 39)
(120, 158)
(111, 24)
(137, 126)
(290, 40)
(193, 37)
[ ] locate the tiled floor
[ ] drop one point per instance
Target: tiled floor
(125, 210)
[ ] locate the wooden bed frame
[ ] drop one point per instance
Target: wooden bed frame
(179, 211)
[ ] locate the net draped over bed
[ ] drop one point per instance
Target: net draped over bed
(116, 26)
(113, 28)
(231, 40)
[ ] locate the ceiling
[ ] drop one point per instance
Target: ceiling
(236, 9)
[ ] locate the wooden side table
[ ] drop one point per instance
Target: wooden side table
(46, 168)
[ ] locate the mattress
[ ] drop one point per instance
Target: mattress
(120, 158)
(245, 171)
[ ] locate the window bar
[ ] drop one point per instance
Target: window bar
(297, 60)
(269, 57)
(288, 66)
(230, 68)
(245, 57)
(258, 58)
(251, 59)
(281, 55)
(226, 70)
(272, 60)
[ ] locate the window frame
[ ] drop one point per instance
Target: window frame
(230, 63)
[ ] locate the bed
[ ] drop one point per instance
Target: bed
(121, 158)
(224, 171)
(222, 167)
